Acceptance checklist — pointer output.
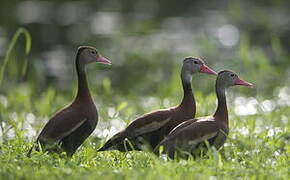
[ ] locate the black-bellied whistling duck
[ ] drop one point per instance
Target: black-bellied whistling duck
(148, 130)
(70, 127)
(191, 136)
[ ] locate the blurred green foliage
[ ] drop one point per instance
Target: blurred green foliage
(146, 41)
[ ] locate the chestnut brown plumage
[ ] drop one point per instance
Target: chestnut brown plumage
(148, 130)
(191, 136)
(70, 127)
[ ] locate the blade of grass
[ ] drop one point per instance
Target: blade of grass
(13, 41)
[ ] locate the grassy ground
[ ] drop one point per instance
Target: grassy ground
(257, 148)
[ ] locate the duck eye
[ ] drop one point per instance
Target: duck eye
(195, 62)
(232, 75)
(93, 52)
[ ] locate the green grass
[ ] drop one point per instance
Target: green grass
(260, 153)
(257, 146)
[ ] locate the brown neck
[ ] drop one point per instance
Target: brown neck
(83, 89)
(188, 100)
(221, 113)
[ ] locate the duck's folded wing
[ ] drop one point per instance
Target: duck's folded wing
(61, 125)
(142, 125)
(191, 135)
(189, 122)
(148, 123)
(183, 125)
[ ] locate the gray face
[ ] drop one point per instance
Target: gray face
(228, 78)
(192, 65)
(88, 55)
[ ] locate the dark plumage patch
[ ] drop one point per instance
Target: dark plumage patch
(224, 71)
(191, 58)
(81, 48)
